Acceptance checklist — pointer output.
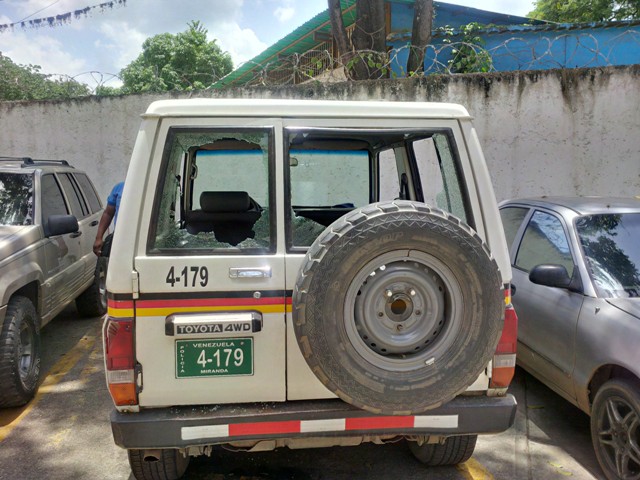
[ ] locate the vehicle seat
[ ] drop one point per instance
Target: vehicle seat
(229, 215)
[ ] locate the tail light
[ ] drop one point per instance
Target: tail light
(120, 360)
(504, 360)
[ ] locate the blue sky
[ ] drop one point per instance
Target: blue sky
(105, 42)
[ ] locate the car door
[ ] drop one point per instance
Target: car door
(87, 224)
(210, 314)
(63, 252)
(331, 168)
(547, 316)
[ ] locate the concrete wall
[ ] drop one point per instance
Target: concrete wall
(566, 132)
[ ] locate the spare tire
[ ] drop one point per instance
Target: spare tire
(398, 307)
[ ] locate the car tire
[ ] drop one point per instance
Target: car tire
(93, 301)
(398, 307)
(19, 353)
(453, 451)
(170, 466)
(615, 428)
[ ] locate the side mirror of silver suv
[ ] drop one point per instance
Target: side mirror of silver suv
(60, 225)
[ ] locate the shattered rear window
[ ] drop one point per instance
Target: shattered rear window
(216, 193)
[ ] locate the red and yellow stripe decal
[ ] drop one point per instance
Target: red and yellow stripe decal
(120, 308)
(332, 425)
(166, 307)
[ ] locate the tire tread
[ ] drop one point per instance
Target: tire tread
(89, 303)
(167, 468)
(405, 214)
(455, 450)
(628, 389)
(12, 391)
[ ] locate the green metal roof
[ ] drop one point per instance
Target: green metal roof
(303, 39)
(299, 41)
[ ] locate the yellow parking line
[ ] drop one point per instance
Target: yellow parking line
(474, 470)
(94, 363)
(57, 373)
(471, 469)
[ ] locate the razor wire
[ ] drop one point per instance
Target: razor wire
(517, 53)
(577, 49)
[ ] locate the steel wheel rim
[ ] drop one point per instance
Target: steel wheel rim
(619, 437)
(25, 351)
(401, 288)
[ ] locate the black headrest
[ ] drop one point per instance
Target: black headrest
(224, 202)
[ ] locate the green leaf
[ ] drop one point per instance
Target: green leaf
(184, 61)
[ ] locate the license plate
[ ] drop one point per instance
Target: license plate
(214, 358)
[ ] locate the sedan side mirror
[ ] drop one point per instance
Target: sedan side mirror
(550, 276)
(60, 225)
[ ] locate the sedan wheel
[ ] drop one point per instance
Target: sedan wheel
(615, 429)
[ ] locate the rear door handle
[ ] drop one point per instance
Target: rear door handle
(76, 234)
(250, 272)
(94, 223)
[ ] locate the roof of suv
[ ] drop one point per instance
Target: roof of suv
(304, 108)
(582, 205)
(28, 164)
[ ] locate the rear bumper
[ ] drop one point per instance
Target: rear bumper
(180, 427)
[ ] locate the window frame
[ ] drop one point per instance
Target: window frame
(42, 196)
(85, 194)
(286, 134)
(415, 186)
(75, 191)
(172, 132)
(524, 227)
(457, 165)
(520, 230)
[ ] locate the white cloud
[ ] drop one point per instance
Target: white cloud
(121, 43)
(158, 16)
(41, 50)
(242, 43)
(106, 41)
(284, 14)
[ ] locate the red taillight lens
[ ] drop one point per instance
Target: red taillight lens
(118, 338)
(504, 361)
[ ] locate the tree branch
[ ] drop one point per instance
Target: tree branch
(420, 35)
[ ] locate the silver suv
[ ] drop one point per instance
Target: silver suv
(307, 274)
(49, 215)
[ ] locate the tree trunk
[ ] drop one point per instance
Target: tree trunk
(369, 41)
(420, 35)
(337, 28)
(369, 33)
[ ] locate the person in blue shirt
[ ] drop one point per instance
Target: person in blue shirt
(103, 247)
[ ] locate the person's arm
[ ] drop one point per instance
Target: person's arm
(105, 221)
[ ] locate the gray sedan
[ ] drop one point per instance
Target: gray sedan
(576, 288)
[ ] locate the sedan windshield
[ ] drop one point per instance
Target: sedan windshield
(16, 199)
(612, 250)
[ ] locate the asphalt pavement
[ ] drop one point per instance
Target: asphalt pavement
(64, 433)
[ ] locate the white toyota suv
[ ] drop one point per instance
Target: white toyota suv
(307, 274)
